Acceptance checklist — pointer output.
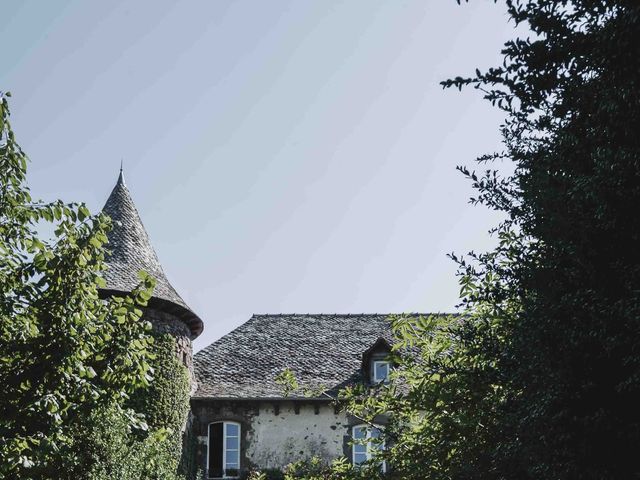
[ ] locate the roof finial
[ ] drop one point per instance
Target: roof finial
(121, 176)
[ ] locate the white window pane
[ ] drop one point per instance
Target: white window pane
(233, 443)
(233, 459)
(233, 430)
(377, 442)
(360, 445)
(359, 433)
(360, 448)
(359, 458)
(381, 371)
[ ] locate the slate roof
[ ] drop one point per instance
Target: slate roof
(131, 251)
(323, 351)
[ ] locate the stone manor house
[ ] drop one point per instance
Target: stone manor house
(239, 413)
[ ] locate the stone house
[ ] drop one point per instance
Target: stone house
(240, 414)
(236, 386)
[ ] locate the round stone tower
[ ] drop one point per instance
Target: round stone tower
(130, 252)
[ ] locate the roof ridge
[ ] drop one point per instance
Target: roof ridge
(250, 323)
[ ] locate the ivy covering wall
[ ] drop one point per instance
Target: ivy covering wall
(165, 402)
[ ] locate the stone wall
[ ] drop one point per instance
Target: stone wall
(167, 323)
(276, 433)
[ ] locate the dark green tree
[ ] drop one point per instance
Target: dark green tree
(562, 291)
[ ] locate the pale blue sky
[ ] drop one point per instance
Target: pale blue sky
(285, 156)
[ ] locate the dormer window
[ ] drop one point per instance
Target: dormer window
(376, 364)
(380, 371)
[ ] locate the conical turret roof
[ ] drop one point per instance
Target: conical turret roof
(131, 251)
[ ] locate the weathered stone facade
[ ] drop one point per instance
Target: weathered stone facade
(276, 433)
(240, 383)
(164, 322)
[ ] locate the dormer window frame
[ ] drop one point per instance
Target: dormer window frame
(379, 351)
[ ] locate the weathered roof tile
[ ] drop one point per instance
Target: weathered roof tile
(324, 352)
(131, 251)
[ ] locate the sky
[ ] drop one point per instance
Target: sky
(284, 155)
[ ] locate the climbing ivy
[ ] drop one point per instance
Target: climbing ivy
(165, 401)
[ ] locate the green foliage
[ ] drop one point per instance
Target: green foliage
(189, 467)
(431, 407)
(266, 474)
(64, 353)
(313, 469)
(554, 309)
(108, 448)
(88, 392)
(258, 476)
(287, 381)
(290, 386)
(165, 401)
(316, 469)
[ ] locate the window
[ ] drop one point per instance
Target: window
(380, 371)
(223, 459)
(366, 442)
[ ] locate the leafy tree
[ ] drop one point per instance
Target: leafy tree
(556, 305)
(64, 353)
(439, 398)
(313, 469)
